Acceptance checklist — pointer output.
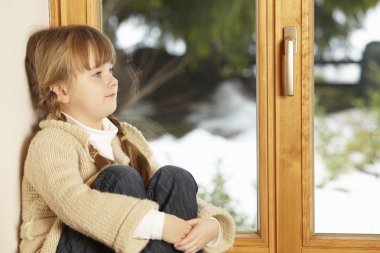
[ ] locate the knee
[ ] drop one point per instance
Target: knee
(119, 179)
(178, 175)
(120, 172)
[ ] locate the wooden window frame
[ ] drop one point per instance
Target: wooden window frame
(319, 242)
(294, 153)
(66, 12)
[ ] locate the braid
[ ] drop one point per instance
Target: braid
(138, 160)
(101, 162)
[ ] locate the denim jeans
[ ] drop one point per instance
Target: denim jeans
(173, 188)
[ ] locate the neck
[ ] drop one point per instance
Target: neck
(95, 124)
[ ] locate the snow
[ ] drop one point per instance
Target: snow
(203, 153)
(345, 205)
(348, 205)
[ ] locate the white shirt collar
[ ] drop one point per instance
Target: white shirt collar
(108, 126)
(101, 139)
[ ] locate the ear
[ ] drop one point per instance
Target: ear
(61, 91)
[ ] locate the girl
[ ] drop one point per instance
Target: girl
(90, 182)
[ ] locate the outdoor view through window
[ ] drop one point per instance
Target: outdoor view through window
(187, 80)
(347, 116)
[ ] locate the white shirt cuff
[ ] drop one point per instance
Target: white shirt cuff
(150, 227)
(215, 241)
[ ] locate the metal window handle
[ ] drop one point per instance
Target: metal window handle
(290, 49)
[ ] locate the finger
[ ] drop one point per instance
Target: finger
(193, 222)
(182, 242)
(186, 242)
(188, 247)
(188, 229)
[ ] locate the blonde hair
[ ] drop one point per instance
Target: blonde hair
(57, 54)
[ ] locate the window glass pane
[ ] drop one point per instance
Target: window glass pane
(187, 80)
(347, 116)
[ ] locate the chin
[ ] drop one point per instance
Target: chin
(112, 111)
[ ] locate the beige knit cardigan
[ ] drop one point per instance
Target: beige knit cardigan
(54, 192)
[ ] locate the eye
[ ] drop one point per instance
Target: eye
(98, 74)
(111, 70)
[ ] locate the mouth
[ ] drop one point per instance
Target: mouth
(111, 95)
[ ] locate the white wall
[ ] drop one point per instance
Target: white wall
(17, 19)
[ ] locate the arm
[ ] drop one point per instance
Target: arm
(203, 231)
(162, 226)
(52, 169)
(226, 222)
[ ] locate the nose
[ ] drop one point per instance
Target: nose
(112, 81)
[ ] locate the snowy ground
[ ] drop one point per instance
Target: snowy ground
(202, 152)
(349, 203)
(346, 205)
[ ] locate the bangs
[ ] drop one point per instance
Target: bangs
(88, 46)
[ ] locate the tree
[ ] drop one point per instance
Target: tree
(334, 22)
(217, 25)
(211, 29)
(221, 33)
(219, 37)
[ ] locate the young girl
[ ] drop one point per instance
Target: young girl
(90, 182)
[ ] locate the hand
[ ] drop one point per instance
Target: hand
(175, 229)
(202, 232)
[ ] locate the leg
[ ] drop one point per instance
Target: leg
(121, 179)
(174, 189)
(115, 179)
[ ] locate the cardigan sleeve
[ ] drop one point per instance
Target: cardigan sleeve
(226, 222)
(52, 169)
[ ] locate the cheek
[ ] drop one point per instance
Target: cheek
(93, 92)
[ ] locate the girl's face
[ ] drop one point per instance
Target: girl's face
(90, 96)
